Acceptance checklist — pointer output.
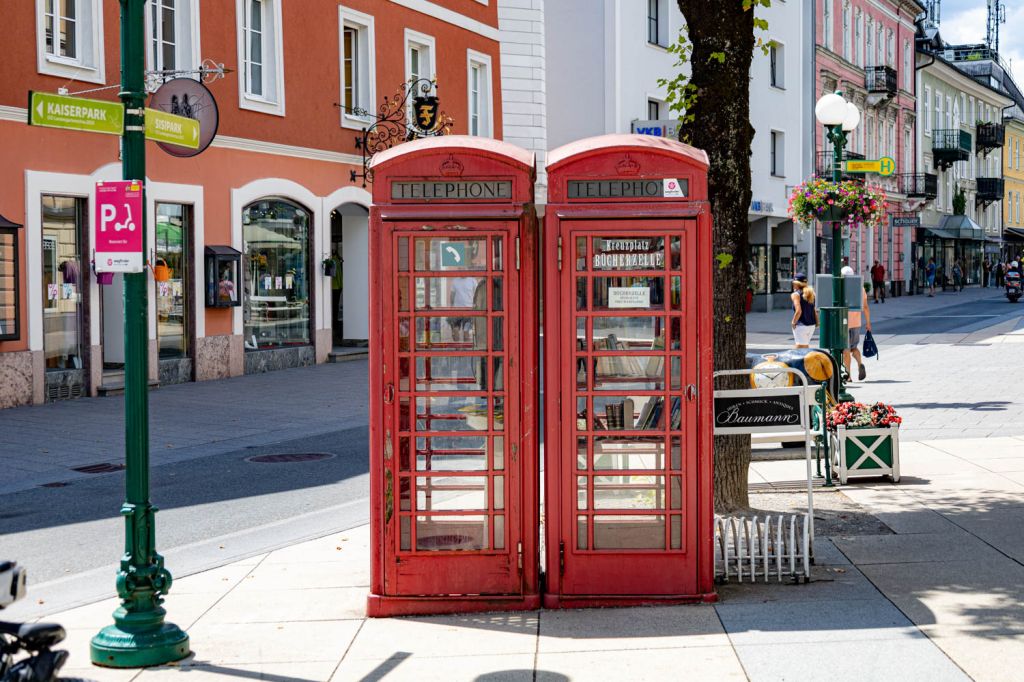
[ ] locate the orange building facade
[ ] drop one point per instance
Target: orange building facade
(275, 185)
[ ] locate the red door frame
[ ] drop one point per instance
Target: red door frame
(403, 583)
(606, 158)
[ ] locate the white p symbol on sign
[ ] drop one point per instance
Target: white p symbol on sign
(108, 213)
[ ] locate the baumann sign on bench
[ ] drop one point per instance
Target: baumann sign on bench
(760, 410)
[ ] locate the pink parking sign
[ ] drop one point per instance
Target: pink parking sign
(117, 226)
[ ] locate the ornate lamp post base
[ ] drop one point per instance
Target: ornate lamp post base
(125, 646)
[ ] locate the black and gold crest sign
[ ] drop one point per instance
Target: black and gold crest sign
(424, 112)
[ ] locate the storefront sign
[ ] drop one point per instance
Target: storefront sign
(759, 206)
(172, 129)
(661, 128)
(483, 190)
(884, 166)
(188, 98)
(75, 113)
(628, 189)
(761, 410)
(629, 297)
(117, 226)
(906, 221)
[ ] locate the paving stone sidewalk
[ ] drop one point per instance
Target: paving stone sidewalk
(937, 599)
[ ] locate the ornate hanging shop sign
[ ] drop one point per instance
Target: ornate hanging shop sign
(391, 124)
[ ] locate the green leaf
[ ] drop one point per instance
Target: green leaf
(719, 56)
(728, 318)
(724, 260)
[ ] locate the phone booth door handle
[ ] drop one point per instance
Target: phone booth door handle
(691, 392)
(389, 394)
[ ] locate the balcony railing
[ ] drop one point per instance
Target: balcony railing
(989, 190)
(950, 145)
(921, 185)
(823, 165)
(990, 136)
(880, 79)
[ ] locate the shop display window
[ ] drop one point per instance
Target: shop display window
(276, 265)
(222, 281)
(759, 273)
(9, 291)
(782, 267)
(171, 275)
(63, 281)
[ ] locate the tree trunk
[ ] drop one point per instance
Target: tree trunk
(721, 127)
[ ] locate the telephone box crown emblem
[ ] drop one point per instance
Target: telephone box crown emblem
(627, 166)
(451, 168)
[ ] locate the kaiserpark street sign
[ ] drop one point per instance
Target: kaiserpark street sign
(172, 129)
(75, 113)
(885, 166)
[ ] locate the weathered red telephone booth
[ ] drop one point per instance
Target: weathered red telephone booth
(628, 368)
(453, 378)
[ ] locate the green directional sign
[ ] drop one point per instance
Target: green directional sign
(172, 129)
(75, 113)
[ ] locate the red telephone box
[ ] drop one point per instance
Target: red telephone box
(628, 369)
(453, 378)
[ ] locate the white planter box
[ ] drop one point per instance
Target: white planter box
(866, 452)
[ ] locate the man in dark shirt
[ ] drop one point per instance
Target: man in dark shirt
(878, 280)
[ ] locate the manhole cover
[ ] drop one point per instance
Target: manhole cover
(102, 468)
(289, 457)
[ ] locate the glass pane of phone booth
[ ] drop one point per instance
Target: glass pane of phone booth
(451, 397)
(630, 320)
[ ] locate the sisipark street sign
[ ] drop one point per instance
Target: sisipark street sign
(172, 129)
(75, 113)
(884, 166)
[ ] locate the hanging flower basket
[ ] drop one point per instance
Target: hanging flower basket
(865, 440)
(827, 201)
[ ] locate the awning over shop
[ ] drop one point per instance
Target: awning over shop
(1013, 233)
(962, 227)
(936, 233)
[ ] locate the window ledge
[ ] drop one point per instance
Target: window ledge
(658, 46)
(263, 106)
(63, 67)
(779, 87)
(354, 122)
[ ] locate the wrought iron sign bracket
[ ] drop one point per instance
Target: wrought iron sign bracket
(390, 125)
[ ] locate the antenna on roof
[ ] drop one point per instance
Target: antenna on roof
(933, 8)
(996, 16)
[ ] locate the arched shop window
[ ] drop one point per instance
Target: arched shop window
(276, 267)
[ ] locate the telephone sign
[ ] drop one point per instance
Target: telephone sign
(118, 226)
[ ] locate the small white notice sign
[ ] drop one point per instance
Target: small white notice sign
(629, 297)
(673, 188)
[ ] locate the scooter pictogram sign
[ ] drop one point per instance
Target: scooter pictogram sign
(117, 227)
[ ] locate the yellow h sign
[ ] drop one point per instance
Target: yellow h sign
(885, 166)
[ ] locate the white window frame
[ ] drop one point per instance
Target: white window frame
(186, 47)
(777, 53)
(367, 54)
(908, 71)
(424, 42)
(869, 38)
(828, 23)
(481, 61)
(847, 32)
(858, 37)
(777, 150)
(88, 65)
(927, 111)
(272, 99)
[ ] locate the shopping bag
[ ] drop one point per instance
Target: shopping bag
(870, 347)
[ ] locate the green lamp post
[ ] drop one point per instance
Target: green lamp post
(839, 118)
(139, 636)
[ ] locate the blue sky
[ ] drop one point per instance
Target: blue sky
(963, 21)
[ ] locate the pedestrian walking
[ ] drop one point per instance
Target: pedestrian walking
(1000, 269)
(929, 273)
(856, 319)
(878, 281)
(986, 273)
(958, 277)
(805, 316)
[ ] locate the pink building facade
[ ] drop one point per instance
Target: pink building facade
(865, 48)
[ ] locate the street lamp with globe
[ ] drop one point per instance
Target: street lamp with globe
(839, 118)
